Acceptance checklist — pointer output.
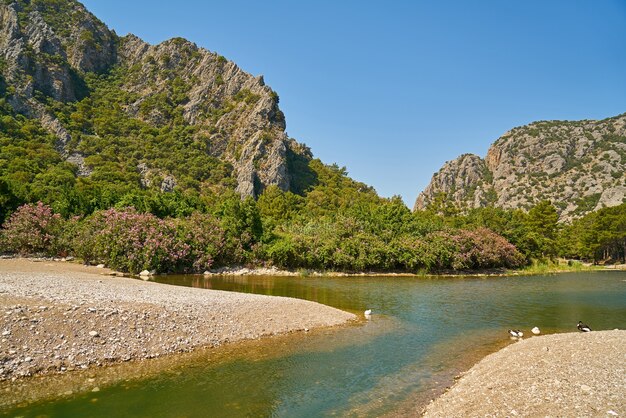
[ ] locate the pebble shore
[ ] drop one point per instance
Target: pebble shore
(559, 375)
(57, 317)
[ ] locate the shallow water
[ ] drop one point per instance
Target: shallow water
(422, 332)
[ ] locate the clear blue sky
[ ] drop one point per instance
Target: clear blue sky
(392, 90)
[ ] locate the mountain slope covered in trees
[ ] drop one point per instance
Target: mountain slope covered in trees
(136, 116)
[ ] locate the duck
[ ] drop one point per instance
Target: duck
(367, 312)
(535, 331)
(583, 327)
(516, 333)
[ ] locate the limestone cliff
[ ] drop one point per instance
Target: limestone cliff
(48, 51)
(578, 166)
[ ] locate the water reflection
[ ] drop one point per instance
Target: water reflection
(422, 332)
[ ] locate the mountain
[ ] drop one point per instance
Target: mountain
(577, 165)
(163, 116)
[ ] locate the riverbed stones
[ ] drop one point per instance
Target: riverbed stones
(89, 322)
(574, 374)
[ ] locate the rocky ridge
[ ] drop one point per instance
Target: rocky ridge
(579, 166)
(48, 49)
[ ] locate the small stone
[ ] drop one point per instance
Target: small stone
(28, 359)
(5, 333)
(585, 388)
(94, 333)
(96, 389)
(100, 266)
(144, 273)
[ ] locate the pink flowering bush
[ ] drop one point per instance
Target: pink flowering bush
(32, 229)
(130, 241)
(205, 238)
(473, 249)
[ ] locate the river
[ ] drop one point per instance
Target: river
(422, 332)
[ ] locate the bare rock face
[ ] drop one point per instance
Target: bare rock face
(455, 179)
(237, 111)
(44, 48)
(48, 50)
(578, 166)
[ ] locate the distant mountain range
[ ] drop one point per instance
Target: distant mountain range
(578, 166)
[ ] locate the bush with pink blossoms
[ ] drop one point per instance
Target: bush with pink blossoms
(32, 229)
(476, 249)
(130, 241)
(206, 240)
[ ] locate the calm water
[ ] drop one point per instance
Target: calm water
(423, 331)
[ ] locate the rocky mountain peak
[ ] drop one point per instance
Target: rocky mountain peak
(49, 49)
(578, 166)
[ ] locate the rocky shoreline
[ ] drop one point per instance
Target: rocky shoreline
(58, 317)
(573, 374)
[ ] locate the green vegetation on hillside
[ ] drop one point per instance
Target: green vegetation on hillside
(154, 190)
(333, 223)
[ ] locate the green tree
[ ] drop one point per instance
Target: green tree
(542, 229)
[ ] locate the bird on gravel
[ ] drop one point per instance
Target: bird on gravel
(583, 327)
(536, 331)
(516, 333)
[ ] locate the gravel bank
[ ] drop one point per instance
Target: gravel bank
(57, 317)
(565, 375)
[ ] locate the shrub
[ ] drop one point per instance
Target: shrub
(476, 249)
(205, 238)
(283, 253)
(131, 241)
(33, 229)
